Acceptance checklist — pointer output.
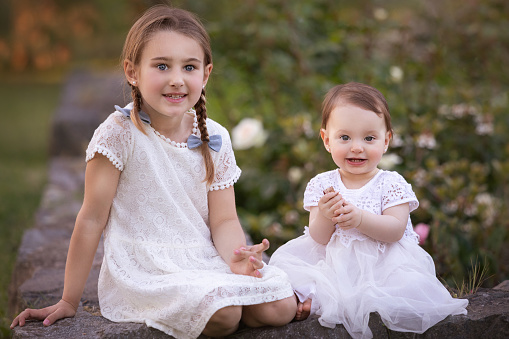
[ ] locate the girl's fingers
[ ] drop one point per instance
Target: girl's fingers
(58, 314)
(261, 247)
(27, 314)
(257, 264)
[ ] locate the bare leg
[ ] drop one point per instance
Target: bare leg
(224, 322)
(276, 313)
(303, 310)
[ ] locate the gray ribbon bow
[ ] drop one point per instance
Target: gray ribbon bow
(215, 142)
(126, 111)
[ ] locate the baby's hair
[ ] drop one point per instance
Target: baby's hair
(359, 95)
(164, 18)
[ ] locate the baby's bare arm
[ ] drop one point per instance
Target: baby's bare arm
(388, 227)
(321, 217)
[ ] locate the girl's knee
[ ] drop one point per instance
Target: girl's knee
(276, 313)
(283, 311)
(225, 321)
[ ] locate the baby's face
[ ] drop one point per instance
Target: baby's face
(357, 139)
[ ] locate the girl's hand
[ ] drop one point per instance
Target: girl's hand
(248, 260)
(330, 204)
(50, 314)
(350, 216)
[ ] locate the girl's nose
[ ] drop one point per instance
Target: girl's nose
(176, 80)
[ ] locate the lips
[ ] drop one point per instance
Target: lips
(355, 161)
(174, 96)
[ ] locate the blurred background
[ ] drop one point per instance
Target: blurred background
(441, 65)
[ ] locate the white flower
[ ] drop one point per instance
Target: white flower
(426, 140)
(295, 174)
(396, 73)
(380, 14)
(390, 160)
(484, 124)
(248, 133)
(484, 129)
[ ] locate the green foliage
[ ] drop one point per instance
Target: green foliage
(441, 72)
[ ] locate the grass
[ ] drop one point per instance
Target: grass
(476, 277)
(25, 118)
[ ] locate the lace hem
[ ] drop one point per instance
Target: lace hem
(230, 183)
(111, 157)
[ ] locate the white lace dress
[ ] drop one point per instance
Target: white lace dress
(354, 274)
(160, 266)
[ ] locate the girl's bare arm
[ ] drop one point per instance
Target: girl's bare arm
(228, 235)
(101, 180)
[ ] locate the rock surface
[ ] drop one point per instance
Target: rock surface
(39, 274)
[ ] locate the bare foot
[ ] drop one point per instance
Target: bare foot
(303, 310)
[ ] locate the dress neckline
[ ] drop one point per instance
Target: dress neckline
(363, 187)
(180, 144)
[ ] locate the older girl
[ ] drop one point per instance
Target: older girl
(159, 186)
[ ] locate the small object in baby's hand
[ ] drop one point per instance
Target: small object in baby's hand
(328, 190)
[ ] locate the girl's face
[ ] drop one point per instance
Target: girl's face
(170, 75)
(357, 139)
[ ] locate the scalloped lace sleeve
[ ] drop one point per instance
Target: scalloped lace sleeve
(226, 170)
(315, 187)
(397, 191)
(113, 140)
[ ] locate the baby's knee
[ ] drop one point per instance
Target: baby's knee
(225, 321)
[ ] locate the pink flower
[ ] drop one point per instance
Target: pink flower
(422, 230)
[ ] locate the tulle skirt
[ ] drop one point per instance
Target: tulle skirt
(346, 284)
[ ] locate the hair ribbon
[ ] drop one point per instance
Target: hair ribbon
(215, 142)
(126, 111)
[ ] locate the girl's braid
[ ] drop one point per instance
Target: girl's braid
(201, 115)
(135, 112)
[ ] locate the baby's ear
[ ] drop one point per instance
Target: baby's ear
(388, 136)
(325, 139)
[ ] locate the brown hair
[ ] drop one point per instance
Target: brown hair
(356, 94)
(164, 18)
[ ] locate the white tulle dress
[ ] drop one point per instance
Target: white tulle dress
(160, 265)
(354, 275)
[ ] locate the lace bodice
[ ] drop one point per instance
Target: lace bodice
(386, 189)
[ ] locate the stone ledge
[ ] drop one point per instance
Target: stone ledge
(481, 322)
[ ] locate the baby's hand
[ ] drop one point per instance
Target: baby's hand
(330, 203)
(350, 217)
(248, 260)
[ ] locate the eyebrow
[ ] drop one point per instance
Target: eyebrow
(171, 59)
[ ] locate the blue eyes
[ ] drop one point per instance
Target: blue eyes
(346, 138)
(164, 67)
